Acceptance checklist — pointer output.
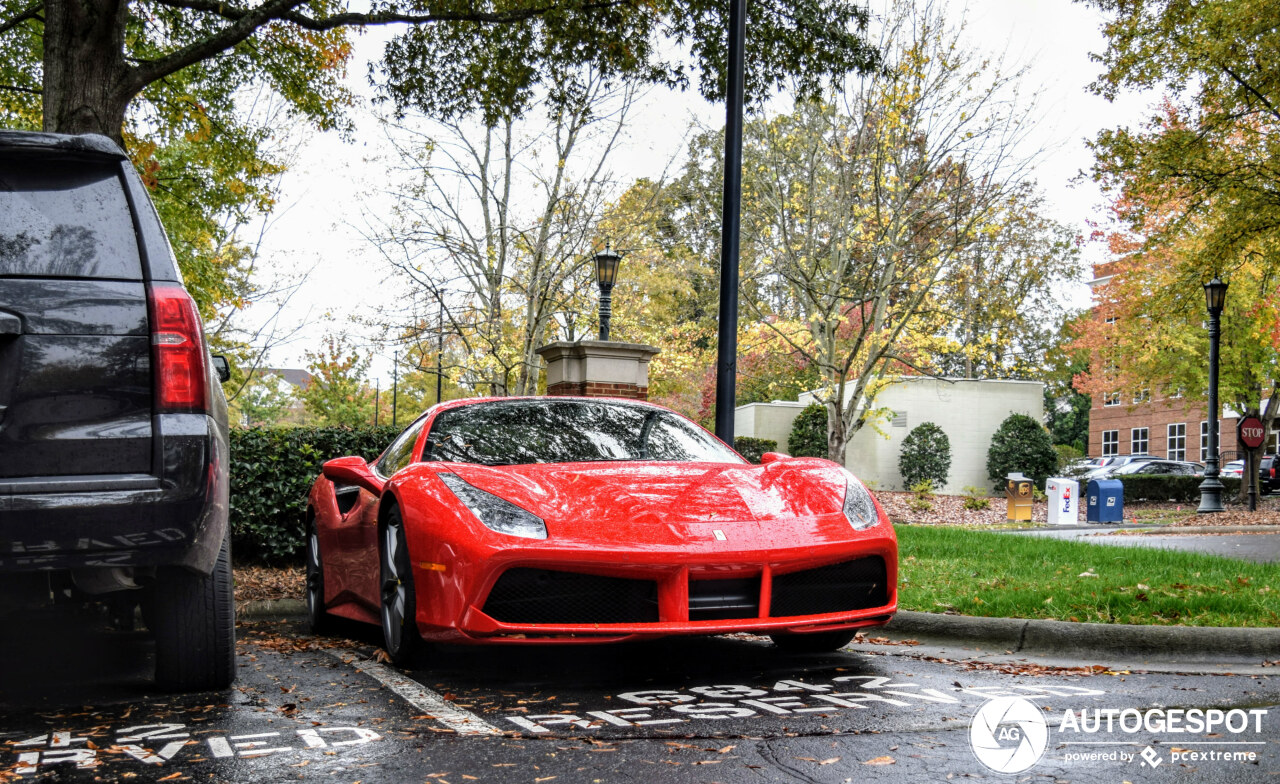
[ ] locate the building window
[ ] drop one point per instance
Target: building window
(1272, 439)
(1177, 444)
(1204, 441)
(1110, 319)
(1142, 396)
(1111, 399)
(1110, 443)
(1138, 438)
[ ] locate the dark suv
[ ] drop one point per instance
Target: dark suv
(113, 426)
(1267, 480)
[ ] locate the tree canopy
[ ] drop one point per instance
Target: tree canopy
(1213, 145)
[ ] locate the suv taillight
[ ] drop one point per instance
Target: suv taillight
(177, 349)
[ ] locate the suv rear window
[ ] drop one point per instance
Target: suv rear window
(66, 219)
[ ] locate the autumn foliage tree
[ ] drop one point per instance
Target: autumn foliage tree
(863, 214)
(338, 393)
(1196, 192)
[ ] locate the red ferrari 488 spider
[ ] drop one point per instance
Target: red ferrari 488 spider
(571, 520)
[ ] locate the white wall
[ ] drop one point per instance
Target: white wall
(967, 411)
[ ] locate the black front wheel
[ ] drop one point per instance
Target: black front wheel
(816, 642)
(399, 603)
(319, 620)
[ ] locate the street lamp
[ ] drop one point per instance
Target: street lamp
(1215, 294)
(606, 276)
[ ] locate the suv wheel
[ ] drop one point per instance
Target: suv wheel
(195, 626)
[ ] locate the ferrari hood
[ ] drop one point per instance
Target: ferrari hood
(665, 493)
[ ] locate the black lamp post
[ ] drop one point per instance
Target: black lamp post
(606, 276)
(1215, 292)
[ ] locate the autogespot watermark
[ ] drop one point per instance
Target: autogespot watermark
(1011, 734)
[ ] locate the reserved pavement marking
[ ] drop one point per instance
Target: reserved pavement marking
(462, 721)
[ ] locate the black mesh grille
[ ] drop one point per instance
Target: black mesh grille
(543, 596)
(719, 600)
(852, 585)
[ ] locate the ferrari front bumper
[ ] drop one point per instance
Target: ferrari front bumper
(537, 595)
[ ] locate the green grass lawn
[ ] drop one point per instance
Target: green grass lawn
(1006, 575)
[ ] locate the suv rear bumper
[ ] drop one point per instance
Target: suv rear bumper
(124, 520)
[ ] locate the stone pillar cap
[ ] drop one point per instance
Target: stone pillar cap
(594, 347)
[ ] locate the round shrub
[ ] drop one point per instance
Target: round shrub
(925, 456)
(1021, 444)
(809, 432)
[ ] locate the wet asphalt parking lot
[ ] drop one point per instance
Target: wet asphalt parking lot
(76, 705)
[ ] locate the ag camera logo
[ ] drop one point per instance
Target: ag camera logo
(1008, 734)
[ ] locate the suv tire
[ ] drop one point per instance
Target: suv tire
(195, 626)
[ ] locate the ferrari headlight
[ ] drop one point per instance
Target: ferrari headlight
(858, 506)
(496, 513)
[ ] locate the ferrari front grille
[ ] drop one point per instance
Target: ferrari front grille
(852, 585)
(524, 595)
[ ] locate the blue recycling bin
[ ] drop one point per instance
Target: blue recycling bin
(1106, 501)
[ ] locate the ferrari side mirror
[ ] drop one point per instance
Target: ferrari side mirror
(352, 471)
(773, 457)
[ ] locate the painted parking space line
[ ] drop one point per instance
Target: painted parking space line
(459, 720)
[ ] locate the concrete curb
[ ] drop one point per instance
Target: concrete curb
(1200, 643)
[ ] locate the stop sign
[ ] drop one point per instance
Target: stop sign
(1251, 432)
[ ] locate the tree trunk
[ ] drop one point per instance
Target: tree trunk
(86, 80)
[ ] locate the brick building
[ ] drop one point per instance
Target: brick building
(1171, 427)
(1128, 423)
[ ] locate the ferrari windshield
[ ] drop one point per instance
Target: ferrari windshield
(510, 432)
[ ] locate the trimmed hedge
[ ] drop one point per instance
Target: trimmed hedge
(925, 456)
(1021, 444)
(271, 473)
(1180, 489)
(753, 448)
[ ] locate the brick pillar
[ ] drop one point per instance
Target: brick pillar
(597, 368)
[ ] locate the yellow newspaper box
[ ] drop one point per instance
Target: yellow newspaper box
(1018, 491)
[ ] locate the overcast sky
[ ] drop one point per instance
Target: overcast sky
(316, 227)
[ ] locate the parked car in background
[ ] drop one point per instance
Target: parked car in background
(1114, 462)
(113, 426)
(1232, 470)
(1268, 482)
(1156, 467)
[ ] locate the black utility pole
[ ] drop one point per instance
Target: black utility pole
(1211, 488)
(727, 347)
(439, 353)
(395, 378)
